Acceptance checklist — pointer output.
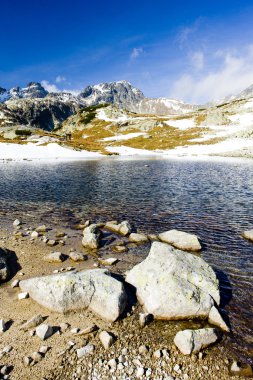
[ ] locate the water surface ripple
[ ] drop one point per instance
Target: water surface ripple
(213, 200)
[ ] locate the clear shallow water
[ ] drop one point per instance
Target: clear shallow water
(213, 200)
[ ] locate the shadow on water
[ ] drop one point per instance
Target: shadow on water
(225, 288)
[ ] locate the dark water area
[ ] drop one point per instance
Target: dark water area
(212, 199)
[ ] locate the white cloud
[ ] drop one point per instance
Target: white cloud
(230, 75)
(50, 87)
(60, 79)
(198, 60)
(136, 52)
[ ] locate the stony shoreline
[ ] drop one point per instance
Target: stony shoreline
(146, 353)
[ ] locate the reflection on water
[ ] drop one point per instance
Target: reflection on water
(213, 200)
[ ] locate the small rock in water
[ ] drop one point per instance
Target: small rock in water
(60, 234)
(125, 228)
(41, 229)
(106, 339)
(153, 237)
(119, 248)
(181, 240)
(248, 235)
(91, 237)
(138, 238)
(108, 262)
(84, 351)
(23, 295)
(33, 322)
(17, 223)
(44, 331)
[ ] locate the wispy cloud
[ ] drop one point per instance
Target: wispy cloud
(50, 87)
(198, 60)
(187, 33)
(136, 52)
(60, 79)
(231, 74)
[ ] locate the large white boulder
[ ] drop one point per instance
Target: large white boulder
(181, 240)
(173, 284)
(94, 289)
(193, 341)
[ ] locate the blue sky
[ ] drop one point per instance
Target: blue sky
(193, 50)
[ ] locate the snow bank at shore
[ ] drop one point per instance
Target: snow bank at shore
(53, 151)
(32, 151)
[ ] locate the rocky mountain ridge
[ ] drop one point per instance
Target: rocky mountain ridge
(36, 107)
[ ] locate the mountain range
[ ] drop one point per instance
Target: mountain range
(34, 106)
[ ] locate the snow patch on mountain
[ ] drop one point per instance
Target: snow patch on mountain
(182, 124)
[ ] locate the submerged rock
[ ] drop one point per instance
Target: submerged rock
(94, 289)
(124, 228)
(91, 236)
(248, 235)
(108, 262)
(173, 284)
(193, 341)
(181, 240)
(138, 238)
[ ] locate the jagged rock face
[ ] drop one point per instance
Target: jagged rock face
(124, 95)
(163, 106)
(2, 90)
(33, 90)
(42, 113)
(121, 93)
